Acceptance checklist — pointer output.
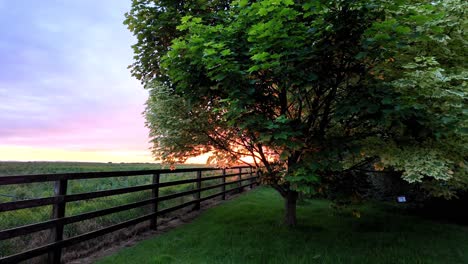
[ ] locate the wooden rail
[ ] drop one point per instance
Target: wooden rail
(60, 199)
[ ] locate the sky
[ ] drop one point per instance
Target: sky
(65, 91)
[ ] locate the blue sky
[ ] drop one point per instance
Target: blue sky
(64, 82)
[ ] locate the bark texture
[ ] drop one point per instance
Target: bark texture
(290, 207)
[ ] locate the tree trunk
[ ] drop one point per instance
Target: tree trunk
(290, 207)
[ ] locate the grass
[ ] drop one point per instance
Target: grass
(22, 217)
(44, 167)
(36, 190)
(249, 230)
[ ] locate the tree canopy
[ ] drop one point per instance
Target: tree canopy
(311, 89)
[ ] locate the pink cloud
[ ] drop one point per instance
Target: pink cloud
(110, 130)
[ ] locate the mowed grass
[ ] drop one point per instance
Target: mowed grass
(249, 230)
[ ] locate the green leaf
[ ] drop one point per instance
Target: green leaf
(361, 55)
(402, 29)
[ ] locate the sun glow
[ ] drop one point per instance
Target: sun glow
(20, 153)
(15, 153)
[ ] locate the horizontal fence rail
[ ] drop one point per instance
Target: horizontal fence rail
(245, 176)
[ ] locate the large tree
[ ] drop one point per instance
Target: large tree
(312, 90)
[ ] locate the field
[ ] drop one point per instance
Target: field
(249, 230)
(38, 190)
(19, 192)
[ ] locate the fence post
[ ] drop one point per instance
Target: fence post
(240, 178)
(223, 188)
(198, 194)
(155, 204)
(258, 174)
(58, 211)
(251, 180)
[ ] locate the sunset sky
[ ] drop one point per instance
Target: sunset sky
(65, 90)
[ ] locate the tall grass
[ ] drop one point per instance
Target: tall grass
(22, 217)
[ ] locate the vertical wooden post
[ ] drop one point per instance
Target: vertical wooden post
(251, 180)
(155, 204)
(58, 211)
(240, 178)
(198, 194)
(223, 188)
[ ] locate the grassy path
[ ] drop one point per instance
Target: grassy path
(249, 230)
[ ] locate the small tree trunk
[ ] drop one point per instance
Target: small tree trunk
(290, 207)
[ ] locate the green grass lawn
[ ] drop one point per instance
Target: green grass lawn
(249, 230)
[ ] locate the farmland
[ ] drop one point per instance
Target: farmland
(43, 190)
(33, 167)
(38, 190)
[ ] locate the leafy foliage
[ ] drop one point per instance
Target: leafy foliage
(427, 71)
(309, 89)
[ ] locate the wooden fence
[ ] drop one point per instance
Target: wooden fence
(61, 198)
